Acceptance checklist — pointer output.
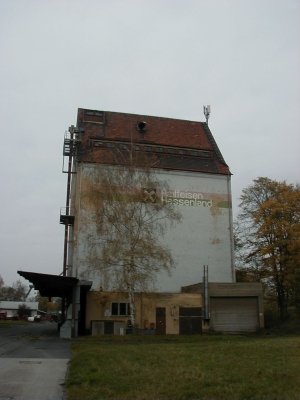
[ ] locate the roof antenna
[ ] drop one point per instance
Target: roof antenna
(206, 110)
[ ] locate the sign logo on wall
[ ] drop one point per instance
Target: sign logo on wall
(149, 195)
(186, 198)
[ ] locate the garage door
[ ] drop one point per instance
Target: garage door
(234, 314)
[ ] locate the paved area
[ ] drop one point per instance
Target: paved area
(33, 362)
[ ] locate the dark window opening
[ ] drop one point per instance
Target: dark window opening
(114, 308)
(120, 309)
(123, 308)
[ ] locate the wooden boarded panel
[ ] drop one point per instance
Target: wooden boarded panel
(160, 320)
(190, 320)
(108, 327)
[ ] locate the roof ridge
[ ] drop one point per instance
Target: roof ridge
(213, 143)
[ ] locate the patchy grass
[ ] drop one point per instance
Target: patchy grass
(185, 368)
(7, 323)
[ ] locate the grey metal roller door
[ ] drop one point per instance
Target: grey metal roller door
(234, 314)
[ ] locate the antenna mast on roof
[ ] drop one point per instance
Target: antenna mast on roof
(206, 110)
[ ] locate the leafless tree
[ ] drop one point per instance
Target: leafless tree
(131, 219)
(16, 292)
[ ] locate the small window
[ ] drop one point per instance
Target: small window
(120, 309)
(114, 308)
(123, 308)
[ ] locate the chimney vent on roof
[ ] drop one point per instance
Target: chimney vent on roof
(141, 126)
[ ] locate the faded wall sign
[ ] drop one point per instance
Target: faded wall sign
(194, 199)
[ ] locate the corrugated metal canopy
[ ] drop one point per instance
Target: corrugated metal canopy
(50, 285)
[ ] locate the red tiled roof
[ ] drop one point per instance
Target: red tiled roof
(178, 144)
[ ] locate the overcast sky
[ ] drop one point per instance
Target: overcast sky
(156, 57)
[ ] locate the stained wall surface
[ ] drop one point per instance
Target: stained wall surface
(99, 308)
(204, 236)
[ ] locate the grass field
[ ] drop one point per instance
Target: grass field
(185, 368)
(9, 322)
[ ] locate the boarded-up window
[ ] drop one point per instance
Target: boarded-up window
(190, 320)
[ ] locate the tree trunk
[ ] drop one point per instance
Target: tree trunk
(127, 272)
(132, 305)
(281, 302)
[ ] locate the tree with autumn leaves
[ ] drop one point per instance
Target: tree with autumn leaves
(267, 238)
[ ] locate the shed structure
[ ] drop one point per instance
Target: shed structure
(10, 309)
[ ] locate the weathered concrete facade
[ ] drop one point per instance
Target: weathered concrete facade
(203, 236)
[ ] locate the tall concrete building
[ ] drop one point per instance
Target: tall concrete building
(187, 158)
(195, 179)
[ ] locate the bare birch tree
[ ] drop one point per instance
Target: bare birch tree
(131, 220)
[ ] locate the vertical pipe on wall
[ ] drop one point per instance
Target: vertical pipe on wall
(231, 227)
(66, 236)
(205, 289)
(71, 130)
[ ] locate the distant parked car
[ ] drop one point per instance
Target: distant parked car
(36, 318)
